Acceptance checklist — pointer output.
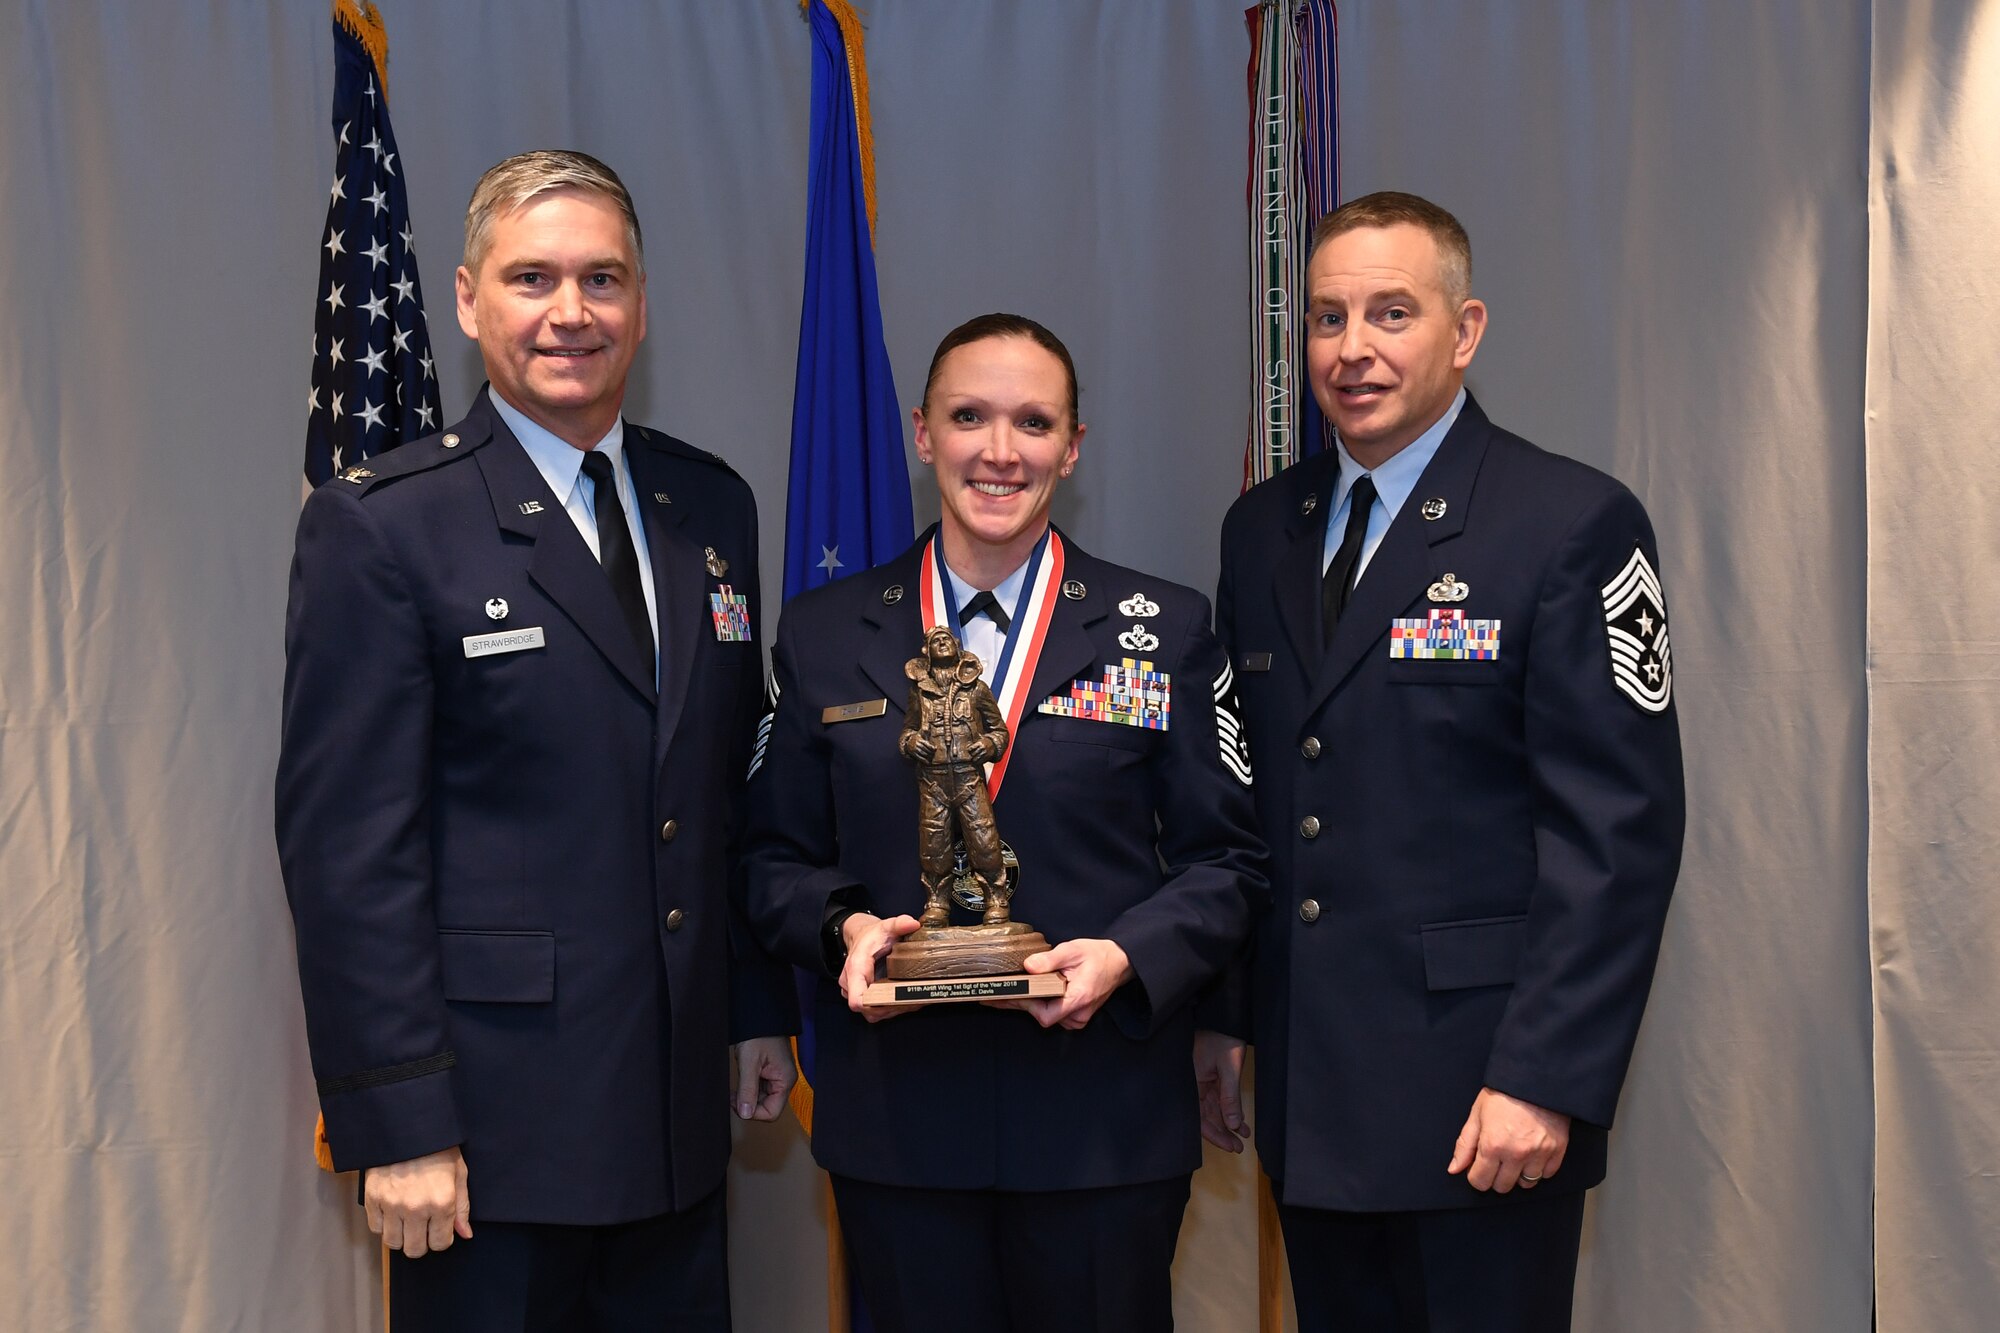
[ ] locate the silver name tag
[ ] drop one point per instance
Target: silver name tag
(506, 641)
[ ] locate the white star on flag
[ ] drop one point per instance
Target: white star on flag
(372, 414)
(373, 360)
(829, 558)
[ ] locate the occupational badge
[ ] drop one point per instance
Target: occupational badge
(1448, 589)
(731, 613)
(1444, 636)
(1137, 640)
(496, 608)
(1635, 624)
(1137, 605)
(717, 566)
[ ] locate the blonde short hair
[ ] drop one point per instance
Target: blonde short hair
(511, 184)
(1390, 208)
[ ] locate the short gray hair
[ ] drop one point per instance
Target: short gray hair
(1390, 208)
(511, 184)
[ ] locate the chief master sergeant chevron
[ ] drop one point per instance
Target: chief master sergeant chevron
(1452, 653)
(521, 684)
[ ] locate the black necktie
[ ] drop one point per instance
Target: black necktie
(989, 604)
(1339, 582)
(614, 549)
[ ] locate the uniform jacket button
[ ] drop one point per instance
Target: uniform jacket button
(1309, 827)
(1309, 910)
(675, 918)
(1309, 747)
(670, 830)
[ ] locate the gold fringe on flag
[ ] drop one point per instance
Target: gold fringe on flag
(364, 21)
(1270, 1259)
(849, 20)
(802, 1095)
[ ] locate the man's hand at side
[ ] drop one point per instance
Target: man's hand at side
(1218, 1081)
(765, 1073)
(419, 1205)
(1508, 1142)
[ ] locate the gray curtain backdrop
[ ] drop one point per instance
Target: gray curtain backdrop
(1738, 253)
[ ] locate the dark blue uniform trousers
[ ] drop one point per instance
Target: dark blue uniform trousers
(999, 1261)
(665, 1274)
(1504, 1268)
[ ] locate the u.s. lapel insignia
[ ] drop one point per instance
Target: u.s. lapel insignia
(1137, 605)
(731, 613)
(1137, 640)
(1073, 589)
(1448, 589)
(1635, 621)
(496, 608)
(661, 497)
(1311, 503)
(717, 566)
(1130, 694)
(1444, 636)
(892, 594)
(1433, 509)
(531, 506)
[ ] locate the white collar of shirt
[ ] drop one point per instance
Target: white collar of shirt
(560, 462)
(561, 466)
(1394, 480)
(982, 637)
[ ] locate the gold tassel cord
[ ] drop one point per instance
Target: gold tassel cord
(849, 20)
(364, 22)
(802, 1095)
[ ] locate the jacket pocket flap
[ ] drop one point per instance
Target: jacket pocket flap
(498, 966)
(1459, 954)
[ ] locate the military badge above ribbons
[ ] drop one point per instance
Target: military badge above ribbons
(1635, 623)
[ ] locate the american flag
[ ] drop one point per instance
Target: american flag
(373, 382)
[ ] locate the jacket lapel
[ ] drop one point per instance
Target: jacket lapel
(562, 566)
(1068, 650)
(1400, 570)
(680, 581)
(1300, 562)
(898, 629)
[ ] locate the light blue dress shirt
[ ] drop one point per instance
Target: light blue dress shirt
(1394, 481)
(561, 465)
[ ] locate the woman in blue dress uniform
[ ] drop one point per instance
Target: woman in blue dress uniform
(1022, 1165)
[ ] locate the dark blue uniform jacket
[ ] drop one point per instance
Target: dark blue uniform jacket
(1471, 858)
(510, 873)
(1139, 835)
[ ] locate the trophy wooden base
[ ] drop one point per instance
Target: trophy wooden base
(964, 951)
(958, 990)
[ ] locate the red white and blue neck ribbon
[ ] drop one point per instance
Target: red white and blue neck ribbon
(1028, 630)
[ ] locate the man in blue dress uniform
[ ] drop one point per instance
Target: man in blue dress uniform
(520, 690)
(1453, 662)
